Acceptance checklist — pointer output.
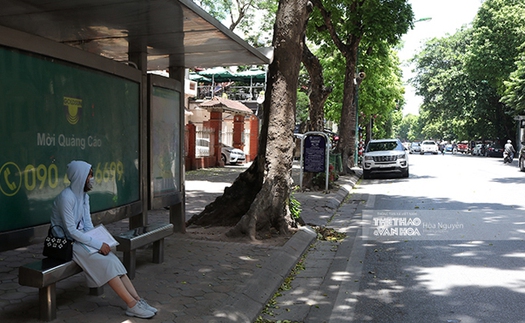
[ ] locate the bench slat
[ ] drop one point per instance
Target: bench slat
(142, 236)
(45, 272)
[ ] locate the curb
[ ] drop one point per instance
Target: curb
(247, 306)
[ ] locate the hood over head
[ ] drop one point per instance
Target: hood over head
(77, 173)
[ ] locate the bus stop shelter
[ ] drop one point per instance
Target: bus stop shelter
(88, 59)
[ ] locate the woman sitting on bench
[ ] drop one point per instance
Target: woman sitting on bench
(71, 211)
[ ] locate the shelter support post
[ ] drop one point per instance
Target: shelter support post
(178, 211)
(137, 54)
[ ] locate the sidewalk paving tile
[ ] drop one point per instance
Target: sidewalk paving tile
(199, 281)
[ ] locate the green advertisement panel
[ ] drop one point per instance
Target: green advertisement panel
(52, 112)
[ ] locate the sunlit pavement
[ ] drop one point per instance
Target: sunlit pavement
(199, 281)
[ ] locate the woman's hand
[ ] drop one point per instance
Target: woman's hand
(105, 249)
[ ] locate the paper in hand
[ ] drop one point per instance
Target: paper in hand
(100, 233)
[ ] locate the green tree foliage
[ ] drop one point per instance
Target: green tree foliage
(302, 107)
(381, 94)
(244, 15)
(449, 93)
(462, 77)
(340, 26)
(515, 89)
(498, 34)
(408, 128)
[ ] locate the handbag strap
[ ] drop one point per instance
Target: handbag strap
(50, 231)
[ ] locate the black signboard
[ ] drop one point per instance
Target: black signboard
(314, 154)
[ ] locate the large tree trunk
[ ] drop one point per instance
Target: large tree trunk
(258, 199)
(270, 207)
(347, 124)
(228, 208)
(317, 92)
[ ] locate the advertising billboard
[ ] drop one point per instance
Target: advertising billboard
(53, 112)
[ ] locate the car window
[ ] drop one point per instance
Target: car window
(428, 143)
(384, 145)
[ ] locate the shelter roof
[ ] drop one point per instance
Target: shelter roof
(172, 30)
(226, 105)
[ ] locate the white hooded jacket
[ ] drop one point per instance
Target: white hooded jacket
(71, 207)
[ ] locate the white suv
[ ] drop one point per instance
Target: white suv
(429, 146)
(385, 156)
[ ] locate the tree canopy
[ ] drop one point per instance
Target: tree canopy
(471, 80)
(345, 27)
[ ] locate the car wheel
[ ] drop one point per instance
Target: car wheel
(366, 174)
(522, 164)
(405, 173)
(223, 158)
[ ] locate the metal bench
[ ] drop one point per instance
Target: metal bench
(44, 274)
(131, 240)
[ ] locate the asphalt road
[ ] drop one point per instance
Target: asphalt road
(445, 245)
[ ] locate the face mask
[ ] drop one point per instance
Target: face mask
(91, 183)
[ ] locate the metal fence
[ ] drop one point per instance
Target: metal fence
(203, 142)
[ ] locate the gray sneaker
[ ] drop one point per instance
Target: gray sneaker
(139, 311)
(147, 306)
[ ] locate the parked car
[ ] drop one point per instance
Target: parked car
(415, 147)
(478, 150)
(495, 150)
(521, 161)
(232, 155)
(463, 147)
(429, 146)
(385, 156)
(449, 148)
(229, 155)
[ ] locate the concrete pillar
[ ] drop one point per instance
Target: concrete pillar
(254, 137)
(238, 131)
(192, 137)
(215, 123)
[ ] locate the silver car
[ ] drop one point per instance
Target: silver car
(415, 147)
(429, 146)
(385, 156)
(232, 155)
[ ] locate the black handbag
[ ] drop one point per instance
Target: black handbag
(56, 247)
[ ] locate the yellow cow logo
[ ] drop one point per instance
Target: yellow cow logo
(73, 109)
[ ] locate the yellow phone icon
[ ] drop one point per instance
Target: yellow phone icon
(11, 185)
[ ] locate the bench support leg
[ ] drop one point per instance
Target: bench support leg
(48, 302)
(130, 259)
(96, 291)
(158, 251)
